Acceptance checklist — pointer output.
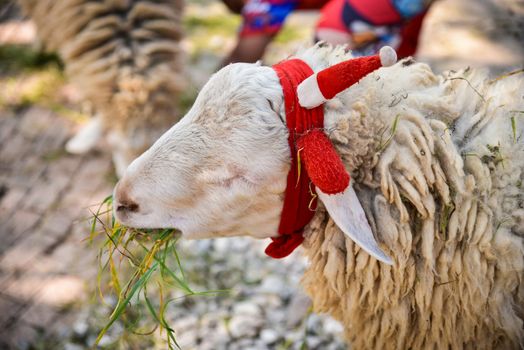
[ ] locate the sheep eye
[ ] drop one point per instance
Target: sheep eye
(270, 104)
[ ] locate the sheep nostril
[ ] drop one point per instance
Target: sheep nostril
(127, 206)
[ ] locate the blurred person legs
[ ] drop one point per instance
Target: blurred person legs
(261, 22)
(367, 25)
(364, 25)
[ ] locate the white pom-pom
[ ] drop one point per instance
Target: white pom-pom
(388, 56)
(309, 94)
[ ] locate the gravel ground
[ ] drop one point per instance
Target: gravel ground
(264, 308)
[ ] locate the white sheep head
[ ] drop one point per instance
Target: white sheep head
(220, 171)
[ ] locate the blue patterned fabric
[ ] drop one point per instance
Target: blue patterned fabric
(409, 8)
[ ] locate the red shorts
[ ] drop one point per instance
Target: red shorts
(367, 25)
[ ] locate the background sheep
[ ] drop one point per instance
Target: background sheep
(437, 162)
(125, 57)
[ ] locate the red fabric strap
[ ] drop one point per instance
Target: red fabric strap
(322, 162)
(300, 198)
(410, 34)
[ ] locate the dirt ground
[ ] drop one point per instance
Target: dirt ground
(48, 270)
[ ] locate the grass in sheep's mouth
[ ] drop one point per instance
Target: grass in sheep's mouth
(150, 258)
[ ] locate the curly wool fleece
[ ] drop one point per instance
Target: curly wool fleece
(125, 57)
(438, 163)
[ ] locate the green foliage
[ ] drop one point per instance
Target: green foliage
(216, 24)
(24, 57)
(445, 214)
(151, 260)
(513, 119)
(38, 87)
(288, 33)
(392, 131)
(186, 100)
(496, 156)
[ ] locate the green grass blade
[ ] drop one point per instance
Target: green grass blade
(122, 302)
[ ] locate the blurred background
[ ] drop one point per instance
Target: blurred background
(50, 91)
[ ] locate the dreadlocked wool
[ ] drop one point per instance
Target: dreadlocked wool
(442, 187)
(124, 56)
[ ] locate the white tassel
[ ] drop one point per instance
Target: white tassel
(388, 56)
(309, 94)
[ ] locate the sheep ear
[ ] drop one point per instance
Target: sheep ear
(347, 212)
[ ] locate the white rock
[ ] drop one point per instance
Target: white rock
(275, 317)
(188, 323)
(332, 326)
(298, 309)
(72, 346)
(267, 301)
(241, 243)
(80, 328)
(209, 321)
(313, 323)
(244, 326)
(106, 340)
(335, 346)
(269, 336)
(313, 342)
(236, 260)
(247, 308)
(199, 247)
(220, 333)
(295, 336)
(222, 246)
(91, 341)
(187, 339)
(210, 345)
(110, 300)
(234, 346)
(245, 343)
(260, 345)
(255, 273)
(273, 284)
(63, 330)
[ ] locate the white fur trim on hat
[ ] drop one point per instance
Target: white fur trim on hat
(309, 94)
(388, 56)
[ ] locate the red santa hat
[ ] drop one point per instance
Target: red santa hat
(326, 84)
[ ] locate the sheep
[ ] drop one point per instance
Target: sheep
(125, 57)
(437, 163)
